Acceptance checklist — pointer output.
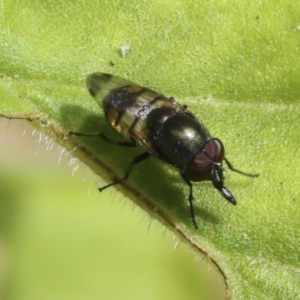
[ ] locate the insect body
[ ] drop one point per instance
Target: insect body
(164, 128)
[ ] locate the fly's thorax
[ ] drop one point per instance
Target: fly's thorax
(177, 136)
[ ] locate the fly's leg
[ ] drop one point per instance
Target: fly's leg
(232, 168)
(224, 191)
(137, 160)
(132, 143)
(218, 183)
(105, 138)
(191, 201)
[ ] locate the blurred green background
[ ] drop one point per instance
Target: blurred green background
(234, 63)
(58, 233)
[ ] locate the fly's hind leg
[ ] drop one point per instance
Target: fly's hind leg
(105, 138)
(131, 143)
(135, 161)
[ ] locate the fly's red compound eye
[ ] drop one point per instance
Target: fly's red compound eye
(214, 149)
(201, 166)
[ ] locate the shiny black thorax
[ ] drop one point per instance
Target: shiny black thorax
(176, 136)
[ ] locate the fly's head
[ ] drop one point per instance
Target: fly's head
(207, 165)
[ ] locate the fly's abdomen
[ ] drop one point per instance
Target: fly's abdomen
(127, 109)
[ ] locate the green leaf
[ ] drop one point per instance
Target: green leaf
(235, 64)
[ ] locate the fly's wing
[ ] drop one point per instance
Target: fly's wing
(101, 84)
(127, 106)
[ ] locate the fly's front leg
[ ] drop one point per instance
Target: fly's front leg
(188, 182)
(232, 168)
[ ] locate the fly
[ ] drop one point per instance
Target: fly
(164, 128)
